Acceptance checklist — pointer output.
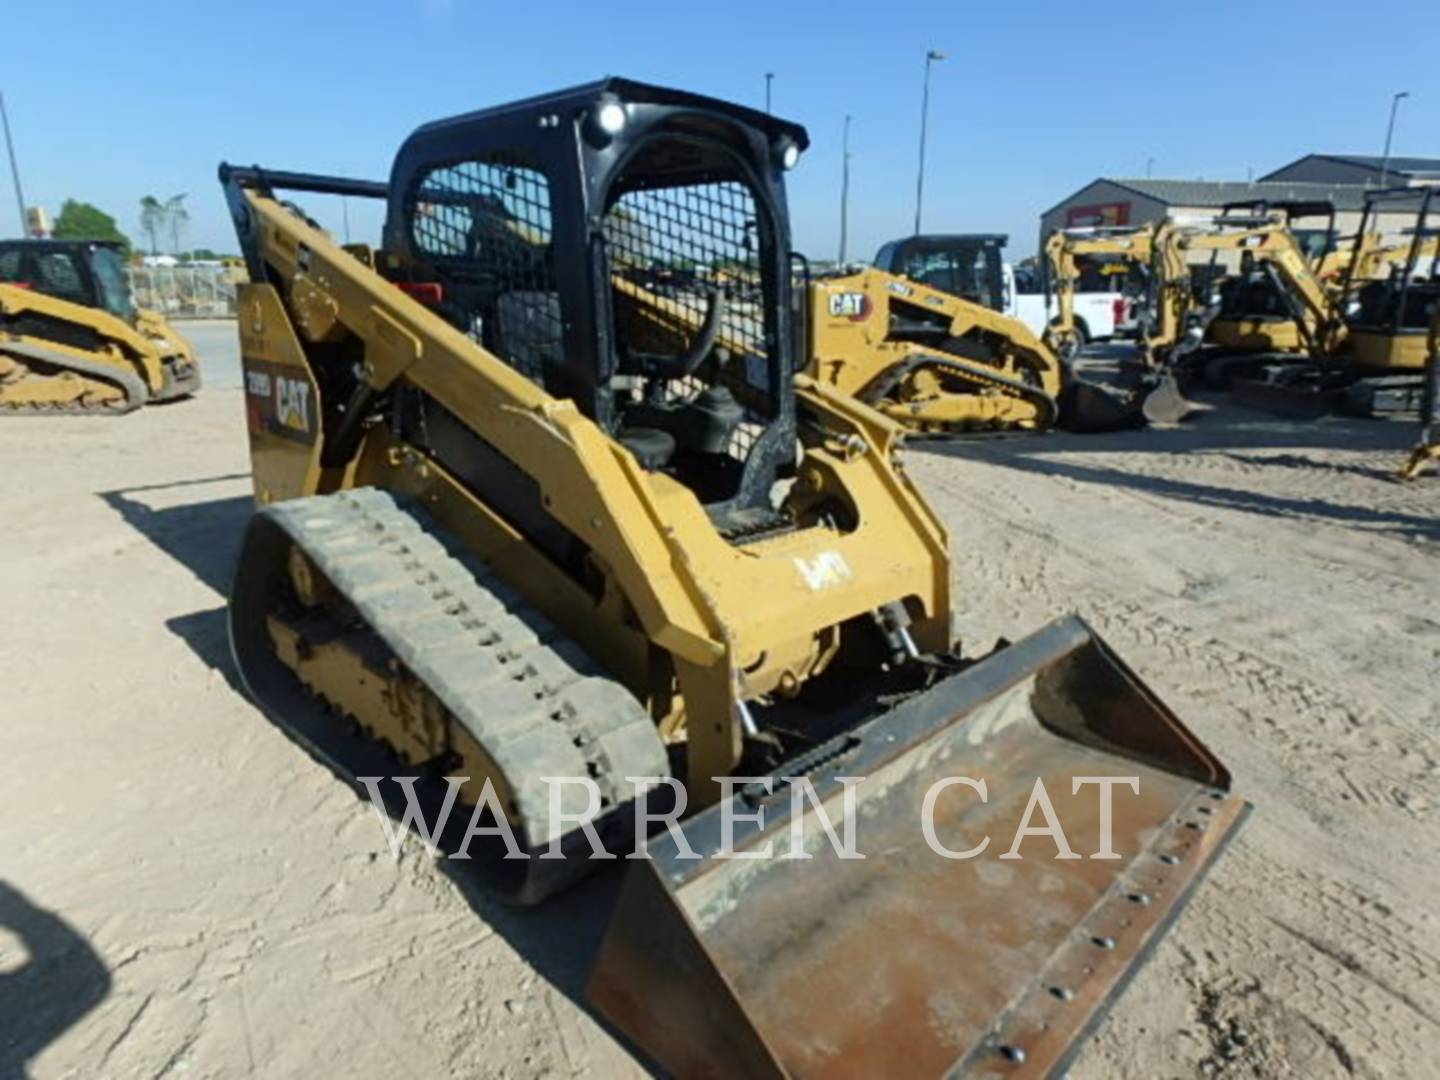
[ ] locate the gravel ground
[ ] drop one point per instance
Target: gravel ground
(196, 896)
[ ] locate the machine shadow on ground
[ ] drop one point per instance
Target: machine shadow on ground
(204, 537)
(60, 979)
(1247, 437)
(558, 939)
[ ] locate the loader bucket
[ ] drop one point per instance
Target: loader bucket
(1090, 408)
(905, 962)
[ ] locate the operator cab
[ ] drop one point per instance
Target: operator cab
(967, 265)
(88, 272)
(627, 247)
(1402, 304)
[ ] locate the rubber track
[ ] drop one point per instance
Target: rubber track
(975, 370)
(128, 382)
(537, 704)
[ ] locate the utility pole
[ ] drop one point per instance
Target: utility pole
(1389, 134)
(1149, 167)
(844, 188)
(930, 57)
(14, 168)
(769, 78)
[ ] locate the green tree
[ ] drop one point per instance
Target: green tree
(152, 221)
(177, 218)
(81, 221)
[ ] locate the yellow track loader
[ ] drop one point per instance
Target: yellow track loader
(918, 337)
(72, 340)
(930, 361)
(545, 502)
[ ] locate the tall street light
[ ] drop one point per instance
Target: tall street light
(1389, 134)
(14, 169)
(930, 58)
(844, 188)
(769, 78)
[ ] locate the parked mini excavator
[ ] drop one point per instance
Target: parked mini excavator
(1365, 344)
(542, 493)
(72, 339)
(1171, 323)
(1259, 311)
(1148, 252)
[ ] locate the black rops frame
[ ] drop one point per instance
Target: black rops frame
(1398, 285)
(560, 134)
(81, 248)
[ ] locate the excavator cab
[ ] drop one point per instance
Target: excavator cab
(1257, 312)
(1389, 319)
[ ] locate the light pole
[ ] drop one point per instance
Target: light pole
(1389, 134)
(769, 78)
(844, 188)
(930, 57)
(1149, 167)
(14, 169)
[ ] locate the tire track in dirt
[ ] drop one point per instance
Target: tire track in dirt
(1339, 749)
(1293, 961)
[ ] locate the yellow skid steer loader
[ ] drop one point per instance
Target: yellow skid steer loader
(932, 362)
(546, 503)
(72, 339)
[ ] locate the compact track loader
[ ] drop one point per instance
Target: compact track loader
(72, 340)
(544, 493)
(932, 362)
(921, 337)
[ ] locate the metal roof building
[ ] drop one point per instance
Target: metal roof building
(1360, 169)
(1123, 201)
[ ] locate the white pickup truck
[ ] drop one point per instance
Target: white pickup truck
(1098, 315)
(971, 266)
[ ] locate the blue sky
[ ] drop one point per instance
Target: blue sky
(109, 104)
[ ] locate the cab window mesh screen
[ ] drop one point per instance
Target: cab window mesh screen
(673, 250)
(487, 227)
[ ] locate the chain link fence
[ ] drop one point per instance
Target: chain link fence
(186, 292)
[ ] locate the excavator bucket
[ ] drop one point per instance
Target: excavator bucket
(1165, 404)
(909, 961)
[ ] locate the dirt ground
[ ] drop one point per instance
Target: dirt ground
(182, 891)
